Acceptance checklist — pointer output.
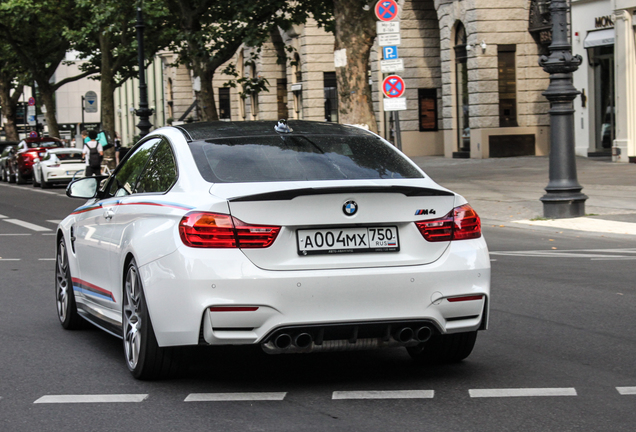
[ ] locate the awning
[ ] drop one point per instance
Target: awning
(599, 38)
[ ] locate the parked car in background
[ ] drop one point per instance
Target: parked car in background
(302, 237)
(5, 155)
(58, 166)
(29, 149)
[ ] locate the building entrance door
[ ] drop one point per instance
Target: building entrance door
(605, 131)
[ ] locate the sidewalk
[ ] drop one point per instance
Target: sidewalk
(507, 190)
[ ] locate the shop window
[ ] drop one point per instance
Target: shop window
(224, 104)
(331, 97)
(507, 85)
(427, 109)
(281, 98)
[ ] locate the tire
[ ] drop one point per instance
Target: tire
(19, 179)
(11, 177)
(45, 185)
(64, 295)
(439, 349)
(144, 358)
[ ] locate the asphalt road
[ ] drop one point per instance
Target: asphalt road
(560, 353)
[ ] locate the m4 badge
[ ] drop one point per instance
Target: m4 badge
(425, 212)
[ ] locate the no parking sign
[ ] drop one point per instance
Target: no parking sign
(393, 86)
(386, 10)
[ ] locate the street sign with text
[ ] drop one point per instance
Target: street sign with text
(392, 66)
(387, 27)
(395, 104)
(389, 39)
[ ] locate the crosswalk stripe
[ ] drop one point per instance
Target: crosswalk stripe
(388, 394)
(28, 225)
(106, 398)
(521, 392)
(626, 390)
(221, 397)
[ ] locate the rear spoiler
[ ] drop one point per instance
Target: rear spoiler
(409, 191)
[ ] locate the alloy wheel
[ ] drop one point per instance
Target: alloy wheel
(61, 281)
(132, 317)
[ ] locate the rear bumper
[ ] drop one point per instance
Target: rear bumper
(181, 287)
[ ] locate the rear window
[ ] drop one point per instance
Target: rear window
(44, 144)
(299, 158)
(73, 156)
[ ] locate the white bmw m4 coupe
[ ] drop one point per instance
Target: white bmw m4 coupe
(298, 237)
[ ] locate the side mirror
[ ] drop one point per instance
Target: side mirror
(85, 188)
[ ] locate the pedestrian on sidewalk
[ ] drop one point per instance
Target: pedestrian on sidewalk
(93, 154)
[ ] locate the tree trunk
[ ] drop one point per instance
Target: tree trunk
(107, 86)
(206, 95)
(354, 32)
(9, 109)
(47, 92)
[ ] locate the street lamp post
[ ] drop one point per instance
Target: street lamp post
(563, 198)
(143, 112)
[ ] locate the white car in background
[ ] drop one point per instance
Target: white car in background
(58, 166)
(297, 237)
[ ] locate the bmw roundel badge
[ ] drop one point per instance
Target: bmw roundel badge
(350, 208)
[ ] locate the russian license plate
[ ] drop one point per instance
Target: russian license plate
(348, 240)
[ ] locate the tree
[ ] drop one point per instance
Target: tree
(107, 41)
(12, 78)
(211, 31)
(353, 24)
(36, 31)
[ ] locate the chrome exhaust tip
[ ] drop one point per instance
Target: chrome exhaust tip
(403, 335)
(282, 341)
(423, 334)
(303, 340)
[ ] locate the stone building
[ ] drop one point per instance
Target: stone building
(473, 84)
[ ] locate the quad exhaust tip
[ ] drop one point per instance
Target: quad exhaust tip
(303, 340)
(282, 341)
(423, 334)
(403, 335)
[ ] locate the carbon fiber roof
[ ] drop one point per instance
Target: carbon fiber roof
(210, 130)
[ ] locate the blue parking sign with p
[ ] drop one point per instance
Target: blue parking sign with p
(390, 52)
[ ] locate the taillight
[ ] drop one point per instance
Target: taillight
(214, 230)
(461, 223)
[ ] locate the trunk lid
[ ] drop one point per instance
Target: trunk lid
(381, 232)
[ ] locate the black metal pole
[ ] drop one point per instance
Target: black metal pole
(563, 198)
(143, 112)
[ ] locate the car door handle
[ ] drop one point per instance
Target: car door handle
(108, 214)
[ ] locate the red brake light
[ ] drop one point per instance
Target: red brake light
(461, 223)
(214, 230)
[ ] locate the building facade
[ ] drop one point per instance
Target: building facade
(604, 35)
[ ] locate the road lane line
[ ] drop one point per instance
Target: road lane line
(3, 217)
(46, 259)
(626, 390)
(224, 397)
(24, 234)
(55, 221)
(522, 392)
(28, 225)
(91, 398)
(9, 259)
(389, 394)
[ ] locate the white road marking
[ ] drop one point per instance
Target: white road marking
(521, 392)
(9, 259)
(46, 259)
(25, 234)
(92, 398)
(3, 217)
(593, 254)
(47, 234)
(626, 390)
(224, 397)
(585, 224)
(28, 225)
(55, 221)
(390, 394)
